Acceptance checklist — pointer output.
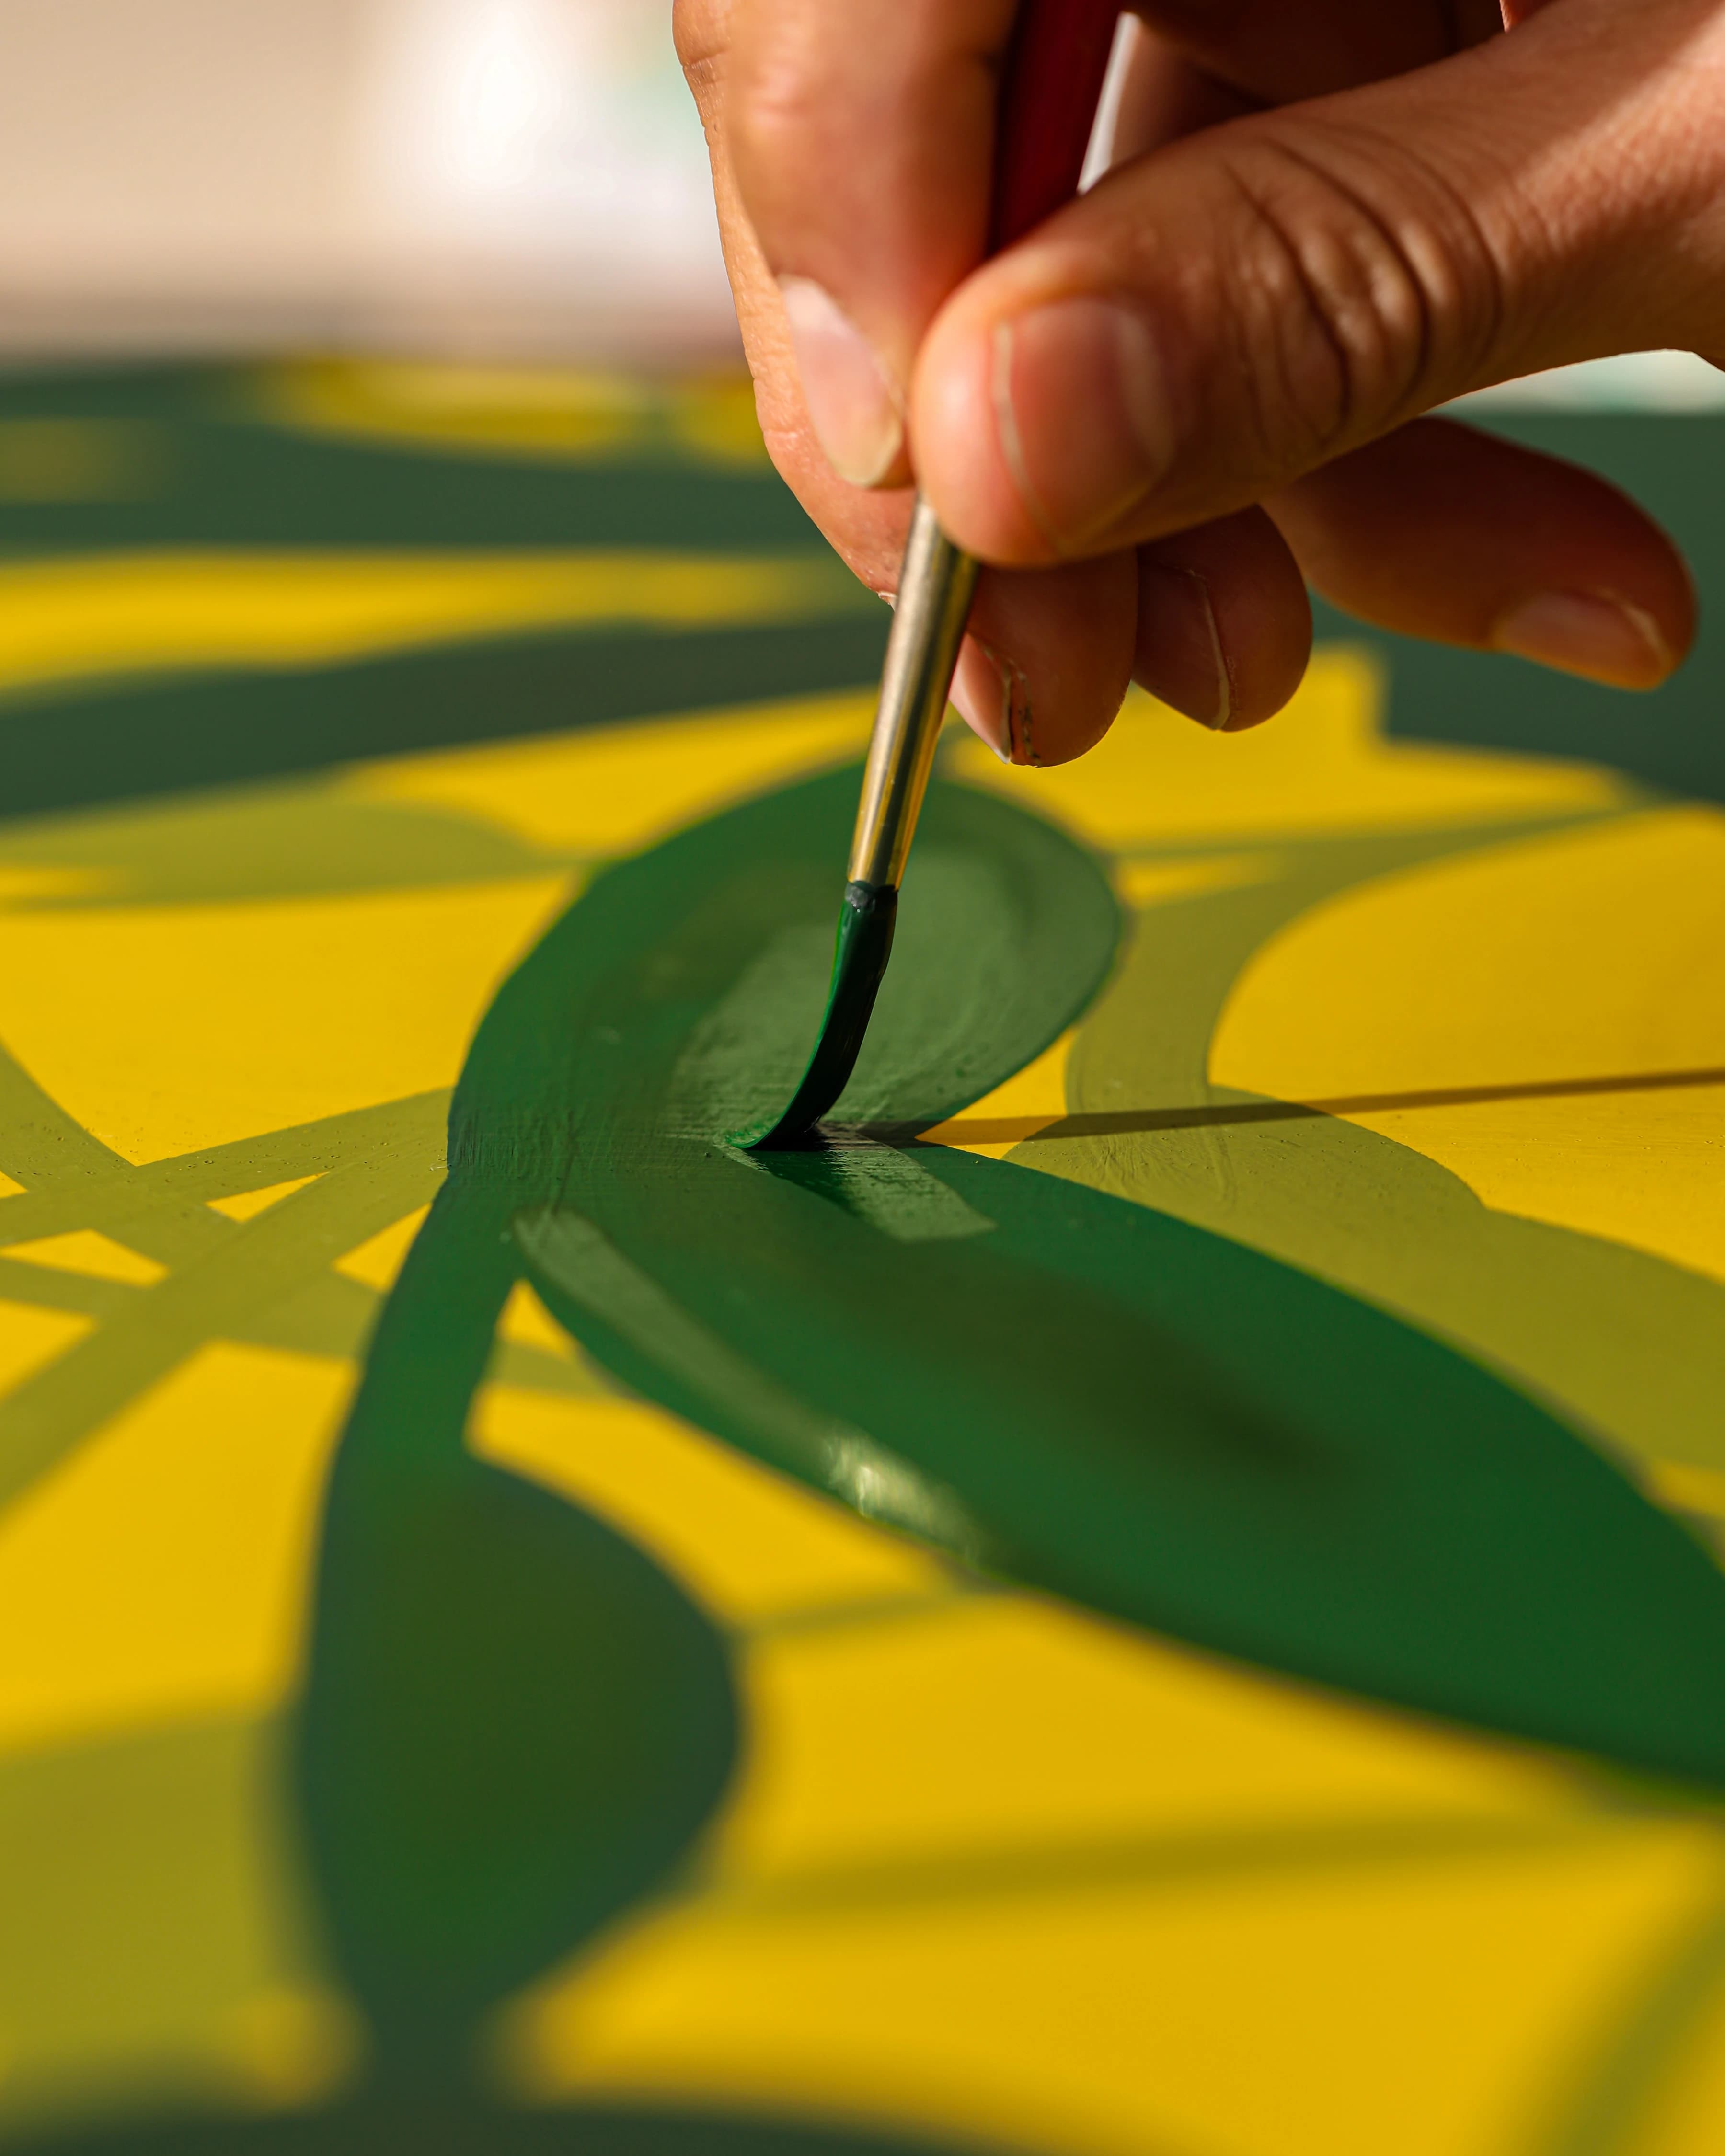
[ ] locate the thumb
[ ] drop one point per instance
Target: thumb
(1226, 314)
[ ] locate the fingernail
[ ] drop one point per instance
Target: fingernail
(852, 404)
(1180, 655)
(993, 698)
(1597, 633)
(1082, 414)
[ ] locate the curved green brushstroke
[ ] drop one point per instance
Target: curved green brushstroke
(515, 1725)
(515, 1722)
(1167, 1427)
(861, 949)
(679, 997)
(1083, 1394)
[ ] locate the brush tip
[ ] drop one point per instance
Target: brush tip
(860, 951)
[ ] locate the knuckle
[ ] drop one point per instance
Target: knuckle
(808, 75)
(1362, 289)
(700, 30)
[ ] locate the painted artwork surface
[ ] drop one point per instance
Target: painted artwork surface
(1159, 1594)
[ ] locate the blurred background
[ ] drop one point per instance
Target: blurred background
(513, 180)
(493, 179)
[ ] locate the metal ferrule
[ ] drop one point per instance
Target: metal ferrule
(935, 589)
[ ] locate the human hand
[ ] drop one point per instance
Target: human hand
(1200, 385)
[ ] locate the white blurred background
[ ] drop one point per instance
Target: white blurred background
(497, 178)
(494, 179)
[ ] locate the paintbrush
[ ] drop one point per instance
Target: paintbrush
(1052, 84)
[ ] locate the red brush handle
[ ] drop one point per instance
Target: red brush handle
(1053, 83)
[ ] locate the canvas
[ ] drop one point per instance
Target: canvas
(1158, 1592)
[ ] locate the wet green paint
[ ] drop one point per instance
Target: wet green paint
(862, 946)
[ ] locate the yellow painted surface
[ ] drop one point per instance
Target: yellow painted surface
(162, 1029)
(750, 1543)
(1684, 2120)
(1690, 1488)
(526, 1320)
(154, 1933)
(377, 1261)
(1429, 2007)
(539, 413)
(159, 1573)
(83, 616)
(294, 2044)
(1151, 883)
(22, 883)
(31, 1338)
(86, 1250)
(247, 1204)
(1028, 1102)
(1007, 1724)
(1646, 1168)
(1321, 765)
(997, 1867)
(1583, 965)
(1035, 1097)
(619, 788)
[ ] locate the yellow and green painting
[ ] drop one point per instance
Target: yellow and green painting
(1157, 1594)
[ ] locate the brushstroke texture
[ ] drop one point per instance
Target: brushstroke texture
(1089, 1396)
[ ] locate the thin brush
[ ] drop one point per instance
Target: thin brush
(1054, 78)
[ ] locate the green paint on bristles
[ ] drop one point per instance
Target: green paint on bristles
(861, 949)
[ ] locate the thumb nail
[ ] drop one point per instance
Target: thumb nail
(992, 696)
(853, 406)
(1180, 654)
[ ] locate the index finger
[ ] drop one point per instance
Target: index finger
(862, 137)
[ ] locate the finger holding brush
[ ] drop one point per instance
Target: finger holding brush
(1330, 215)
(1050, 82)
(893, 224)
